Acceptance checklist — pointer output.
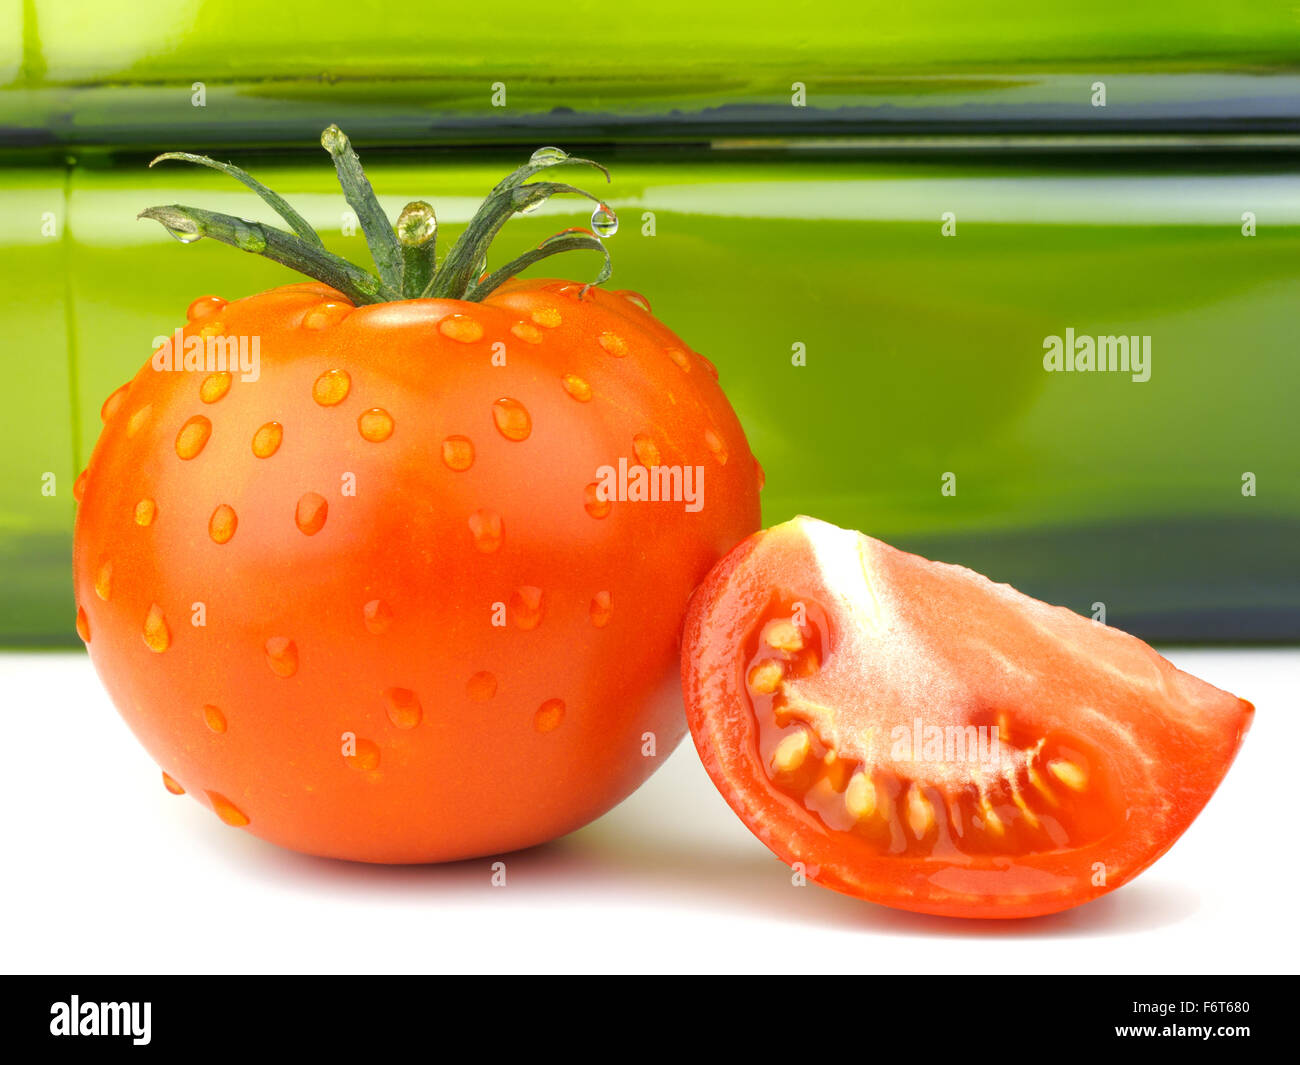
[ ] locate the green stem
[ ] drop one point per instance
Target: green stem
(417, 232)
(555, 245)
(361, 198)
(405, 254)
(543, 160)
(461, 268)
(188, 224)
(278, 204)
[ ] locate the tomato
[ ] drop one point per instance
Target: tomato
(371, 602)
(911, 733)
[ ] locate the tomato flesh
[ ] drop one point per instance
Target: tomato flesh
(914, 734)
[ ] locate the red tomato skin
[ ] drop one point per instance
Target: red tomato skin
(344, 649)
(1164, 797)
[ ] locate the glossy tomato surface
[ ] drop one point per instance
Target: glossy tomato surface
(911, 733)
(372, 604)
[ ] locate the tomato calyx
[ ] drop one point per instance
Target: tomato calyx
(405, 254)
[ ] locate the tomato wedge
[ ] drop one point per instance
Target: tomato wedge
(911, 733)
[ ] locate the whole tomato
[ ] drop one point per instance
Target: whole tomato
(399, 593)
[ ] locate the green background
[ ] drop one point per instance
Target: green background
(422, 71)
(774, 226)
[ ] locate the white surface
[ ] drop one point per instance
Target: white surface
(106, 873)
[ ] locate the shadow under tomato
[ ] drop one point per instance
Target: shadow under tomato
(1137, 907)
(605, 864)
(758, 881)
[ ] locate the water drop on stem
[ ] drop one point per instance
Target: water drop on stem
(549, 156)
(604, 221)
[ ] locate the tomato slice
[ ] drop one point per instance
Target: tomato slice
(916, 735)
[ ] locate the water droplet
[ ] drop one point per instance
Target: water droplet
(157, 636)
(715, 445)
(567, 289)
(635, 298)
(708, 365)
(310, 513)
(485, 527)
(204, 306)
(172, 786)
(215, 386)
(104, 580)
(512, 419)
(282, 656)
(378, 616)
(613, 343)
(760, 474)
(527, 332)
(548, 156)
(183, 235)
(546, 316)
(79, 485)
(458, 453)
(145, 512)
(212, 329)
(600, 609)
(227, 810)
(222, 524)
(647, 451)
(549, 715)
(532, 207)
(679, 357)
(376, 425)
(138, 419)
(604, 221)
(577, 387)
(266, 441)
(481, 687)
(83, 626)
(594, 504)
(526, 607)
(113, 403)
(365, 756)
(461, 327)
(333, 139)
(214, 719)
(417, 224)
(331, 388)
(403, 706)
(326, 315)
(193, 436)
(248, 237)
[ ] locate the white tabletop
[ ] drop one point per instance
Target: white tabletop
(107, 873)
